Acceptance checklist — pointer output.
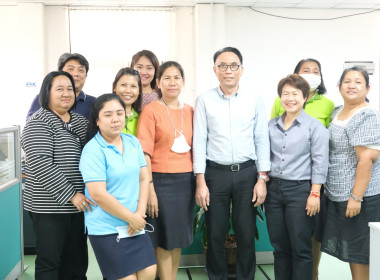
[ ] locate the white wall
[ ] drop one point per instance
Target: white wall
(273, 46)
(9, 62)
(33, 37)
(23, 59)
(57, 35)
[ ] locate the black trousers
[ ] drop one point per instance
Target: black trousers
(225, 186)
(61, 246)
(290, 229)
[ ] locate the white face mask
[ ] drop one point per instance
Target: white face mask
(180, 145)
(313, 80)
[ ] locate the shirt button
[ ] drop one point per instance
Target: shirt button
(286, 134)
(281, 172)
(282, 159)
(283, 147)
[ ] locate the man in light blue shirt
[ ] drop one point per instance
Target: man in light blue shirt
(231, 158)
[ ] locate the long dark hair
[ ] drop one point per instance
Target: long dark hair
(132, 72)
(153, 59)
(95, 109)
(44, 96)
(322, 88)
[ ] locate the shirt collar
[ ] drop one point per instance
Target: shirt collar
(134, 115)
(104, 144)
(221, 94)
(316, 96)
(300, 118)
(101, 140)
(81, 96)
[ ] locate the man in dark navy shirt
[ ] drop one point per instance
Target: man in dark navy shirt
(77, 65)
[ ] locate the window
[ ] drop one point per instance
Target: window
(108, 38)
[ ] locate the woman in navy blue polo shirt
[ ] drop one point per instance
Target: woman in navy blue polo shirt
(116, 177)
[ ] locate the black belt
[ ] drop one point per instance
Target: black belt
(231, 167)
(298, 182)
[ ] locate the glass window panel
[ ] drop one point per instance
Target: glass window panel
(7, 157)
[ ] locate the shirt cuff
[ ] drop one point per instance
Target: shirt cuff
(318, 179)
(263, 165)
(65, 197)
(199, 168)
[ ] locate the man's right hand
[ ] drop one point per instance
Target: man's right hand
(202, 194)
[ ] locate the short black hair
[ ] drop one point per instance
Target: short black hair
(44, 95)
(229, 49)
(64, 58)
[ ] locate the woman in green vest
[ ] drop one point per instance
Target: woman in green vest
(127, 85)
(317, 105)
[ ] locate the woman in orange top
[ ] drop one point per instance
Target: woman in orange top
(165, 131)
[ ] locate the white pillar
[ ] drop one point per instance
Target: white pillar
(374, 257)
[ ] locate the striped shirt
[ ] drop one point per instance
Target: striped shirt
(53, 149)
(362, 129)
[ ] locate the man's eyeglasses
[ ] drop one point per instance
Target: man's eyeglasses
(224, 67)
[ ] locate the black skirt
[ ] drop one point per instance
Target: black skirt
(348, 238)
(174, 226)
(320, 219)
(120, 258)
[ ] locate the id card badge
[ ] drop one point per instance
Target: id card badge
(123, 232)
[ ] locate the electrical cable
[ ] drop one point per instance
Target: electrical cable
(333, 18)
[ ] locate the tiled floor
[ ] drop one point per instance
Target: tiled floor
(330, 269)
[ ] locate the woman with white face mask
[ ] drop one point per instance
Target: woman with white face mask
(165, 131)
(317, 105)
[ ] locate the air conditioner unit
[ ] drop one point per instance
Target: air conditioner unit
(367, 65)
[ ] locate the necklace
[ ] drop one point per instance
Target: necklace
(167, 110)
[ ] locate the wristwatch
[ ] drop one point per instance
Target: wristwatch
(263, 176)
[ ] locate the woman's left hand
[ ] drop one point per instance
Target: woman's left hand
(312, 205)
(81, 202)
(353, 208)
(136, 223)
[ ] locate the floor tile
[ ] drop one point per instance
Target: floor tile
(330, 268)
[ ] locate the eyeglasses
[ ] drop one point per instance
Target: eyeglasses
(224, 67)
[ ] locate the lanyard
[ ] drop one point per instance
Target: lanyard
(167, 110)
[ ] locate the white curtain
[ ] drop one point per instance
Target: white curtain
(108, 38)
